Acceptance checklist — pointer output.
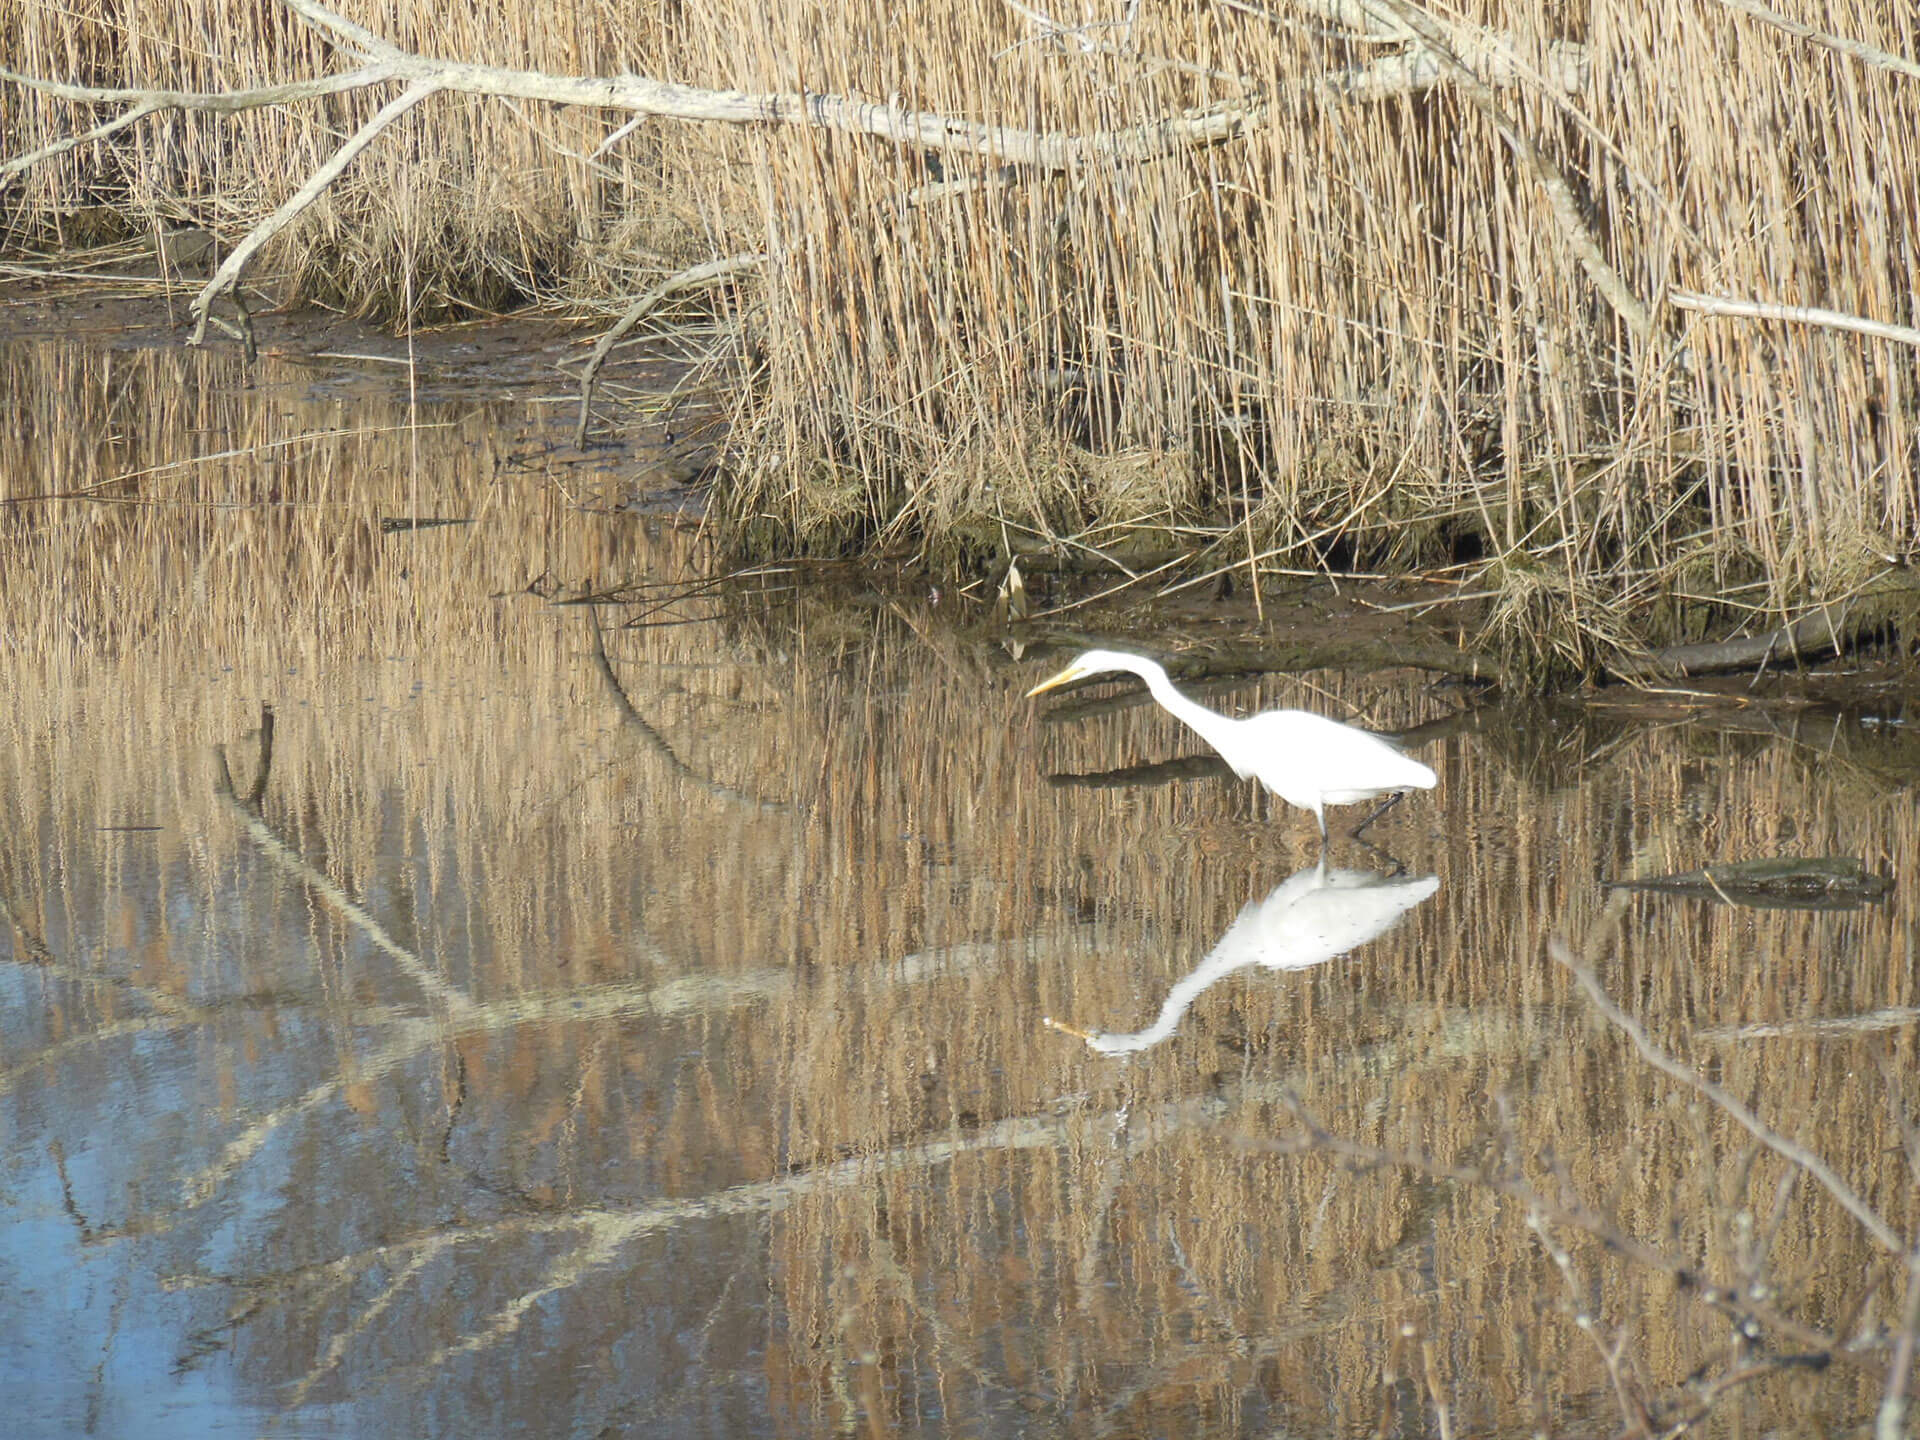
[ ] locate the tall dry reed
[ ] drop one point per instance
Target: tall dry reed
(1361, 330)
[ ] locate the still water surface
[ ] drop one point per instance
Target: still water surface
(526, 1044)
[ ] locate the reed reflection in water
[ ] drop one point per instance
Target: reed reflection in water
(548, 1029)
(1305, 920)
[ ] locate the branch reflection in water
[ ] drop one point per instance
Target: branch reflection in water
(1306, 920)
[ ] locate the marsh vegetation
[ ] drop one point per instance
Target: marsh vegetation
(636, 1029)
(486, 947)
(1601, 311)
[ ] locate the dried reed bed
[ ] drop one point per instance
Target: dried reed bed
(631, 990)
(263, 575)
(1360, 329)
(477, 208)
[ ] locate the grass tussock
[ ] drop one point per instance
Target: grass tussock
(1382, 324)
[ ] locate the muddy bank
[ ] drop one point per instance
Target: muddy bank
(661, 458)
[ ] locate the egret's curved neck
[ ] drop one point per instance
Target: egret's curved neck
(1210, 724)
(1179, 1000)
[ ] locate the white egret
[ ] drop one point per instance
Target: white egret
(1305, 759)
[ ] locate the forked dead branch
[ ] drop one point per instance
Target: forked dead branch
(1427, 52)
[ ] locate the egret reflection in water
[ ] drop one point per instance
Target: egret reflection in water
(1305, 920)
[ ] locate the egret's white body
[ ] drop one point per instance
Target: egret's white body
(1305, 759)
(1305, 920)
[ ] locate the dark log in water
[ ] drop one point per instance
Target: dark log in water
(1815, 883)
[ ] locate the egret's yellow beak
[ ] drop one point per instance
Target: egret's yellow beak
(1053, 1024)
(1072, 672)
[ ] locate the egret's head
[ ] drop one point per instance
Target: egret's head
(1094, 662)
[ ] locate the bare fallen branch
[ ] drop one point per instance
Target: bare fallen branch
(106, 129)
(1365, 20)
(1867, 54)
(1793, 314)
(642, 95)
(142, 103)
(1826, 630)
(1491, 56)
(1567, 209)
(356, 37)
(219, 102)
(227, 277)
(1478, 59)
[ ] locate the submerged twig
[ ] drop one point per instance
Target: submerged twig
(1790, 1150)
(654, 739)
(1825, 631)
(1891, 1421)
(455, 1001)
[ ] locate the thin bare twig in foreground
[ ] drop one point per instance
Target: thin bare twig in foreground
(1708, 1393)
(1741, 1304)
(1789, 1150)
(693, 277)
(1891, 1422)
(1613, 1353)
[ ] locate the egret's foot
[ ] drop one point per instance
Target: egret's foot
(1396, 867)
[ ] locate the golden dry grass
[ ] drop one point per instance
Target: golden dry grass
(1359, 328)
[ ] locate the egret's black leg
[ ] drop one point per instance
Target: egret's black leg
(1379, 810)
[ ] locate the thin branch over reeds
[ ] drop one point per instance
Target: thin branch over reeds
(694, 277)
(1793, 315)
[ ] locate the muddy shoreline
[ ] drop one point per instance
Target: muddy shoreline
(658, 465)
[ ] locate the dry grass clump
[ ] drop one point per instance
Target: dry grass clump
(1416, 292)
(1548, 621)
